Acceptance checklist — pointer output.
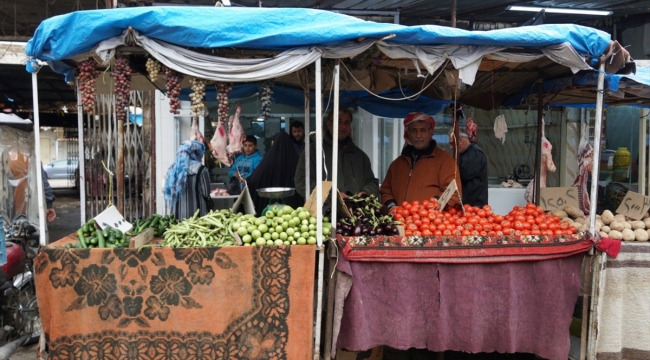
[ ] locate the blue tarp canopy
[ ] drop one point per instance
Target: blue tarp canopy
(629, 88)
(65, 36)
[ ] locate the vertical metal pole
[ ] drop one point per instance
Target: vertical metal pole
(538, 148)
(38, 167)
(307, 150)
(319, 208)
(82, 157)
(596, 162)
(335, 140)
(646, 113)
(596, 268)
(453, 13)
(642, 159)
(120, 165)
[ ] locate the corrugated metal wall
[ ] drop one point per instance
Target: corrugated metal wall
(519, 146)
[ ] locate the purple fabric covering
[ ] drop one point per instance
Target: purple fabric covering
(505, 307)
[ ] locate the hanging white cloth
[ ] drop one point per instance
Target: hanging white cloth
(218, 68)
(500, 128)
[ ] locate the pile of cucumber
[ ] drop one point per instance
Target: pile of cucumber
(92, 237)
(157, 222)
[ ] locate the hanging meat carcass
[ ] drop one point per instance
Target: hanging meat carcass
(236, 136)
(219, 145)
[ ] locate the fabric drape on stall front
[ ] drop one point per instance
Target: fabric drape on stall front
(277, 169)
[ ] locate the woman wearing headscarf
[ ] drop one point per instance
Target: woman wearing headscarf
(187, 184)
(276, 170)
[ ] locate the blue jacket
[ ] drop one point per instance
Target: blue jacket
(245, 164)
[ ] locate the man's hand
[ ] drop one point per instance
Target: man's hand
(50, 215)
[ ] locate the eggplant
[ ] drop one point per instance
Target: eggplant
(357, 230)
(384, 210)
(372, 233)
(339, 231)
(393, 229)
(379, 230)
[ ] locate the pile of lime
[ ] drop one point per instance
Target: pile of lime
(280, 226)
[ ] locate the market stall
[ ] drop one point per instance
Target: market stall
(303, 38)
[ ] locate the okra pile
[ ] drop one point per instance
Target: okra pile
(157, 222)
(90, 236)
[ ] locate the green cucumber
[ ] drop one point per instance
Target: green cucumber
(82, 242)
(101, 242)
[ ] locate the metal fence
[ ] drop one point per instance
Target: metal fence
(119, 157)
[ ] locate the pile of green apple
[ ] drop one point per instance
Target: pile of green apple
(280, 226)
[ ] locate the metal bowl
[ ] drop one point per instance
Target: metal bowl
(275, 192)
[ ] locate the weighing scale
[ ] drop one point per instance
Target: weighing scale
(276, 196)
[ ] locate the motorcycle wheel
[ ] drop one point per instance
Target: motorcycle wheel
(25, 314)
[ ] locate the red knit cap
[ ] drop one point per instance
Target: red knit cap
(417, 116)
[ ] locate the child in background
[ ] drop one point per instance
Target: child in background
(244, 164)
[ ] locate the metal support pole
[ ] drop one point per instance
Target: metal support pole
(538, 148)
(335, 140)
(596, 163)
(643, 129)
(307, 150)
(82, 157)
(453, 13)
(39, 166)
(120, 166)
(646, 113)
(589, 345)
(319, 208)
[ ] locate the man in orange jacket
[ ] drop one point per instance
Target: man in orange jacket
(423, 170)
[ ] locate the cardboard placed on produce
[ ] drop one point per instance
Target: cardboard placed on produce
(556, 198)
(344, 207)
(111, 217)
(143, 238)
(244, 198)
(237, 238)
(449, 192)
(634, 205)
(311, 205)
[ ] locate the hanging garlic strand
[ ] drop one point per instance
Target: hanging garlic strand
(266, 92)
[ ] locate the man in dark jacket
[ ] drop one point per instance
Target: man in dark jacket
(473, 170)
(355, 173)
(297, 132)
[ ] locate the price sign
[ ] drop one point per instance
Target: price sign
(556, 198)
(449, 192)
(634, 205)
(111, 217)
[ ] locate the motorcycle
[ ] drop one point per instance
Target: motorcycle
(20, 322)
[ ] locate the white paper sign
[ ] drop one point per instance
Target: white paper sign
(111, 217)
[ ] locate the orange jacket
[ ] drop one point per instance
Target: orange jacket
(429, 177)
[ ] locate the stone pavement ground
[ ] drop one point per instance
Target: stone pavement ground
(67, 221)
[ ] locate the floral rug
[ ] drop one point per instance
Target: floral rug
(163, 303)
(461, 249)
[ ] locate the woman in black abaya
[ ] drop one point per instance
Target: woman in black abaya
(277, 169)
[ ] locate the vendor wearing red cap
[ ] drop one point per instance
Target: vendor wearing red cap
(423, 170)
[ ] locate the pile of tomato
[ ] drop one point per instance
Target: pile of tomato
(424, 218)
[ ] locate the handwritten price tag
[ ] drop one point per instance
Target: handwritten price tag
(634, 205)
(449, 192)
(556, 198)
